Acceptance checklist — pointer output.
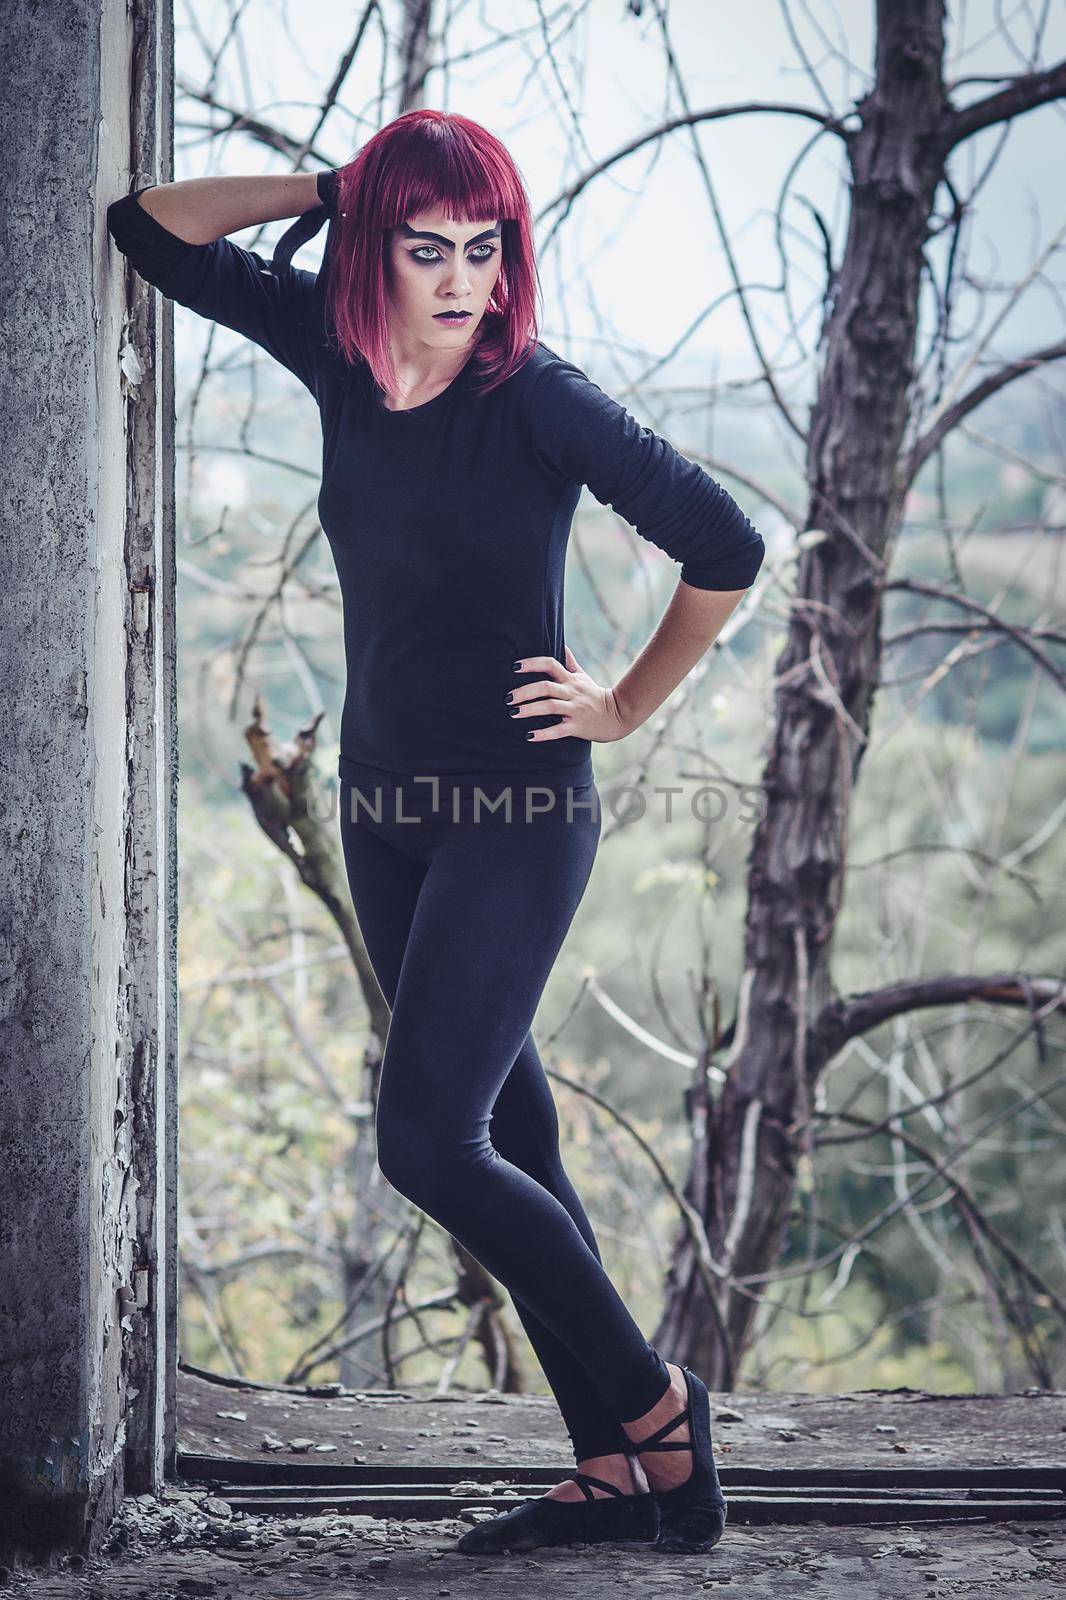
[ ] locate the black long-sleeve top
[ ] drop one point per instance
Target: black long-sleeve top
(448, 522)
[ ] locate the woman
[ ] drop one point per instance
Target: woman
(455, 446)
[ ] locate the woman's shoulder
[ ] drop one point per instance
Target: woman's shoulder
(542, 378)
(544, 359)
(544, 374)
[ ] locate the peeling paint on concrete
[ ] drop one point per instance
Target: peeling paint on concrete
(86, 730)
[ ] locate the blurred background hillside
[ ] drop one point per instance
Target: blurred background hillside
(956, 841)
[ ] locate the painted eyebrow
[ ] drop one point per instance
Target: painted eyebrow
(438, 238)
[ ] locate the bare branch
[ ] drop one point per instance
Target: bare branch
(690, 119)
(566, 198)
(860, 1012)
(242, 122)
(939, 1169)
(1021, 94)
(965, 1196)
(914, 630)
(924, 447)
(265, 132)
(1021, 636)
(958, 1086)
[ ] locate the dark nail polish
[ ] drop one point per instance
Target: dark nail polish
(515, 712)
(529, 735)
(517, 664)
(509, 697)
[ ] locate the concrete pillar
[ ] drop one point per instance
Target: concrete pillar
(87, 777)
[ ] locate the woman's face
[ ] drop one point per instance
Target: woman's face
(434, 266)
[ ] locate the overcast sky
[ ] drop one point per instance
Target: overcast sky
(644, 237)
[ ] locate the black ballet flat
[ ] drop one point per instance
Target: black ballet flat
(620, 1518)
(692, 1515)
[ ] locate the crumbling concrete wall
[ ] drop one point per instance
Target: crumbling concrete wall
(86, 876)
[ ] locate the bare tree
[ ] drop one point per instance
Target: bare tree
(791, 1019)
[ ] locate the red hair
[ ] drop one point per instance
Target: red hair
(431, 160)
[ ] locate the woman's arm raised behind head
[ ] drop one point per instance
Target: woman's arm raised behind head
(277, 309)
(200, 210)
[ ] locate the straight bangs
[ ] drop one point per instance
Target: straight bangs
(430, 160)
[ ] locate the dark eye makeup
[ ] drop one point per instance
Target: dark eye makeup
(427, 262)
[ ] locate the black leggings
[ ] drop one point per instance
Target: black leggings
(463, 913)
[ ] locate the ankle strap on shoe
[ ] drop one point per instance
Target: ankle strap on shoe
(586, 1482)
(652, 1441)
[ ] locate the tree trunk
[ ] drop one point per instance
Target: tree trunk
(825, 683)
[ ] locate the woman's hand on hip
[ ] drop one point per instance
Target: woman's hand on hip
(586, 710)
